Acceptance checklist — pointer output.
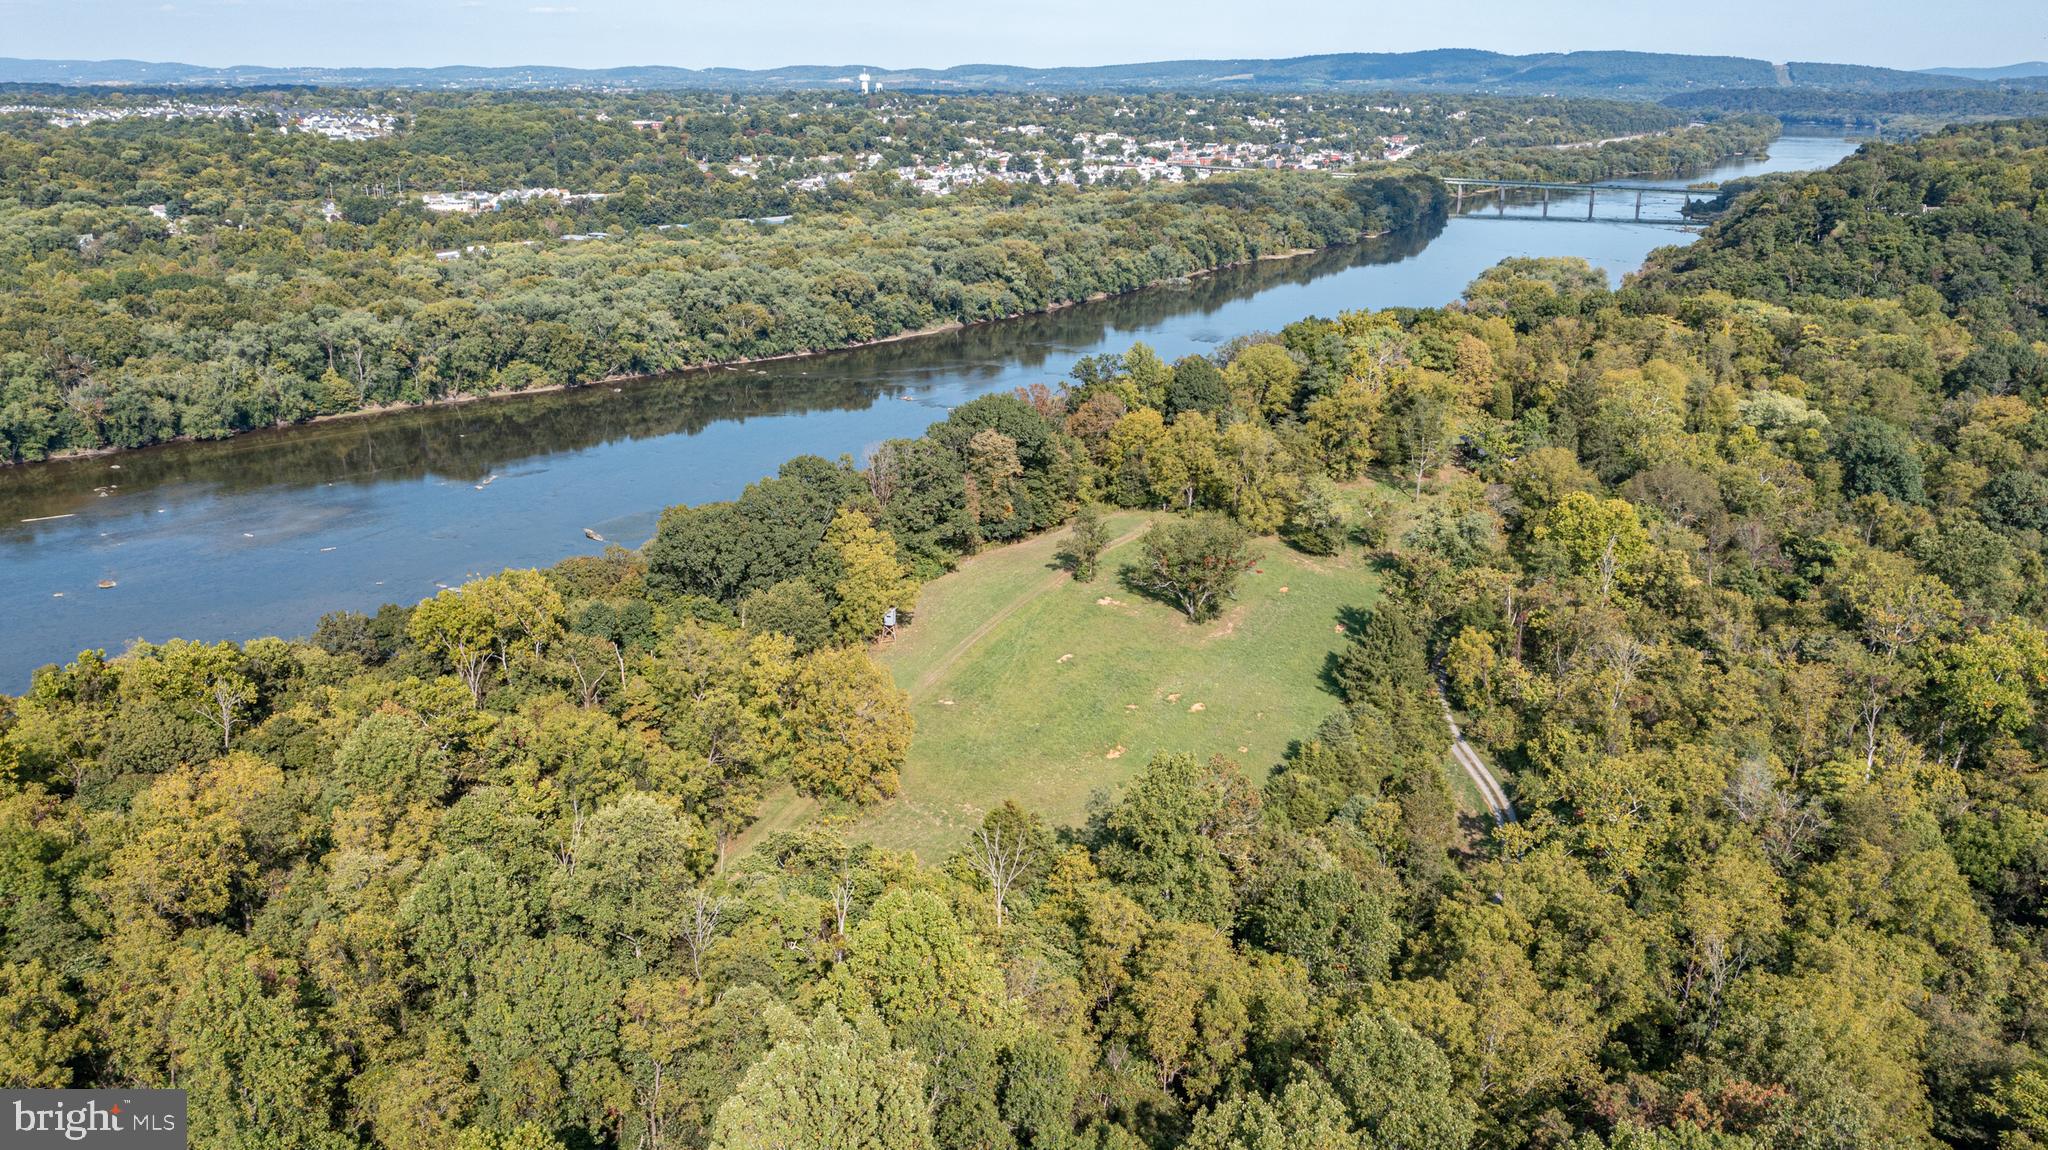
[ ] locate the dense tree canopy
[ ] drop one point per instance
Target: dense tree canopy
(1734, 574)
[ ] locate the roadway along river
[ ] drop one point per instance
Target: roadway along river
(261, 534)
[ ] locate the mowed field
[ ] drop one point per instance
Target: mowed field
(1027, 685)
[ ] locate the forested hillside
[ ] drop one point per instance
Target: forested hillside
(1907, 109)
(118, 329)
(1739, 575)
(1957, 215)
(1647, 154)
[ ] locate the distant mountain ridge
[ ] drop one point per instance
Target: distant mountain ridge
(1631, 74)
(2029, 70)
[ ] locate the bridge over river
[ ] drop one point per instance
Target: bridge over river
(1499, 190)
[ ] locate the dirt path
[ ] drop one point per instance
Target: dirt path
(938, 670)
(1497, 802)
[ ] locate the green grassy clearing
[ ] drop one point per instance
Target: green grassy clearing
(1028, 686)
(1001, 716)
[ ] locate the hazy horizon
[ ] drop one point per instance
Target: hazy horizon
(933, 34)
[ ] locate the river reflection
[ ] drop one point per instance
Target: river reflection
(470, 441)
(263, 533)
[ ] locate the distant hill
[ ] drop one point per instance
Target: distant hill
(1631, 74)
(1867, 108)
(2028, 70)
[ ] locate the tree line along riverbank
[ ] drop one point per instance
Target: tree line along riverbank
(151, 336)
(122, 329)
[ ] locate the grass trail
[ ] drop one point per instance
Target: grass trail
(945, 663)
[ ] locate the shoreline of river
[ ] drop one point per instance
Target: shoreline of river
(76, 455)
(261, 533)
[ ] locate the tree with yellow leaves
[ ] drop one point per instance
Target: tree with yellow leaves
(866, 575)
(851, 726)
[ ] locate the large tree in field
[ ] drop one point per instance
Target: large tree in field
(1194, 563)
(1083, 550)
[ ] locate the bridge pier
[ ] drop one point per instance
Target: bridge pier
(1639, 205)
(1546, 203)
(1591, 196)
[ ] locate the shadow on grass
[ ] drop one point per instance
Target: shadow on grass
(1069, 559)
(1291, 754)
(1328, 679)
(1128, 577)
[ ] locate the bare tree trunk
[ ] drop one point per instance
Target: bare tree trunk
(1002, 864)
(842, 906)
(701, 929)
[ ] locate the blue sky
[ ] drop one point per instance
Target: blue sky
(905, 33)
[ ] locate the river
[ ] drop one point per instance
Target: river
(261, 534)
